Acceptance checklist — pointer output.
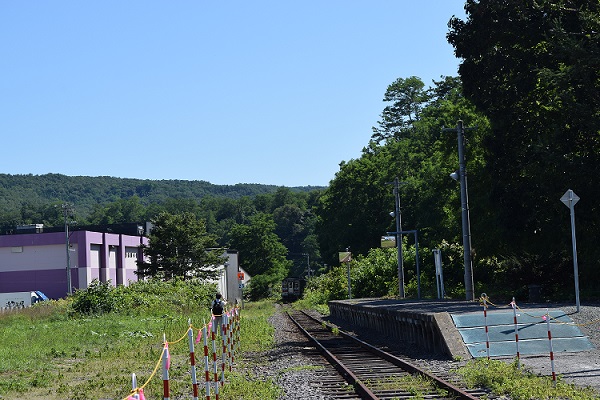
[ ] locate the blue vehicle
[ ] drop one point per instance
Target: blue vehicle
(37, 296)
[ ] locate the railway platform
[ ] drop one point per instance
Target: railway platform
(461, 329)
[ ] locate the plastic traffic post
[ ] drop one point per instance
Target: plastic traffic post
(192, 362)
(206, 363)
(165, 369)
(224, 346)
(134, 396)
(547, 318)
(487, 333)
(230, 325)
(214, 351)
(514, 307)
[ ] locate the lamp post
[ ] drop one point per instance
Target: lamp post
(398, 217)
(67, 211)
(307, 264)
(464, 200)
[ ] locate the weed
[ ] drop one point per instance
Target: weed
(508, 379)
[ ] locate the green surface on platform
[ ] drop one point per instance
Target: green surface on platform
(532, 329)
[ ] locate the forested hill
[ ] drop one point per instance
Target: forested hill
(86, 192)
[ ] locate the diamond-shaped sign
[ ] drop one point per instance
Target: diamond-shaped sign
(345, 256)
(569, 198)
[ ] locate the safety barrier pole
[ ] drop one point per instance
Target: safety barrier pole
(206, 363)
(487, 333)
(514, 307)
(230, 334)
(223, 346)
(238, 329)
(547, 318)
(235, 333)
(135, 395)
(214, 351)
(230, 323)
(165, 371)
(192, 361)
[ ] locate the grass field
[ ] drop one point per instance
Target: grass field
(87, 347)
(55, 351)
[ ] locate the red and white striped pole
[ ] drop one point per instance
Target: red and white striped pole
(214, 351)
(134, 388)
(487, 333)
(206, 363)
(547, 318)
(230, 325)
(514, 307)
(165, 369)
(237, 329)
(192, 362)
(224, 346)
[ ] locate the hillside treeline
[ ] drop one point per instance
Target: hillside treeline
(18, 193)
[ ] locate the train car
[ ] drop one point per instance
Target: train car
(292, 289)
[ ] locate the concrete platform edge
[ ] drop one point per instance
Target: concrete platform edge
(425, 325)
(455, 347)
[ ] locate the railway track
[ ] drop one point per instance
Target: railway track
(369, 372)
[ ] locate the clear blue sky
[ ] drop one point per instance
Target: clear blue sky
(273, 92)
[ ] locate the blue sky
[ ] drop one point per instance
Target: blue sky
(271, 92)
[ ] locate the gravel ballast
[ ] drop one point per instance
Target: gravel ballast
(294, 365)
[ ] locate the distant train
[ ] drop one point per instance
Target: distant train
(292, 289)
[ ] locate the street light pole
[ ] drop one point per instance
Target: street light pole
(464, 200)
(399, 238)
(307, 263)
(67, 213)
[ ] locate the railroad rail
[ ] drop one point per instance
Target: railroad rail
(370, 371)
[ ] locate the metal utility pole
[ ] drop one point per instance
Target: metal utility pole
(570, 199)
(399, 238)
(464, 200)
(307, 264)
(347, 257)
(67, 211)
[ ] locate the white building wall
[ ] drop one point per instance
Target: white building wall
(93, 272)
(130, 264)
(29, 258)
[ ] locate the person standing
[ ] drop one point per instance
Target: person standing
(217, 309)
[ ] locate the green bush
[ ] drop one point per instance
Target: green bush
(148, 297)
(98, 298)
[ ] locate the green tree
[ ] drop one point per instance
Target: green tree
(179, 246)
(406, 99)
(533, 67)
(261, 252)
(354, 210)
(118, 212)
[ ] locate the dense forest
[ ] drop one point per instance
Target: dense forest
(528, 91)
(86, 193)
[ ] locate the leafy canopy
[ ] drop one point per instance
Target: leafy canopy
(179, 246)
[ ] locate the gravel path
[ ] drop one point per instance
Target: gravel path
(293, 365)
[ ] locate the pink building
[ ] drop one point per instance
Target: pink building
(38, 261)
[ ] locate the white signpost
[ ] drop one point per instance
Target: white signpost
(439, 274)
(570, 199)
